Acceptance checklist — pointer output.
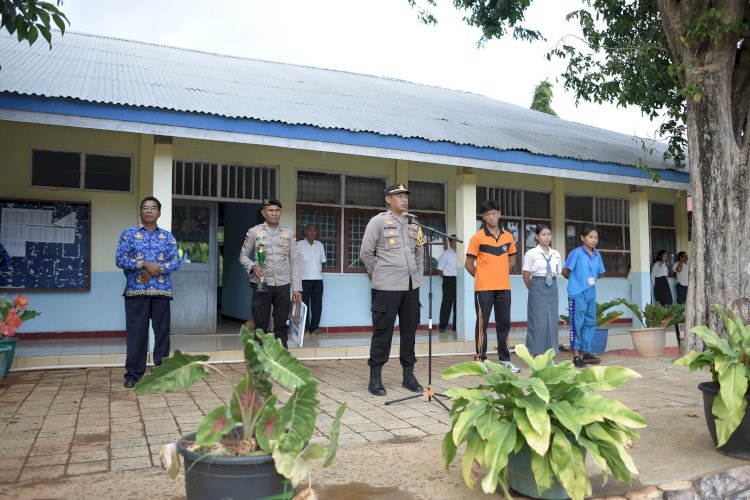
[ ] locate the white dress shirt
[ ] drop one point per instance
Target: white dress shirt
(447, 262)
(659, 270)
(535, 261)
(682, 276)
(311, 259)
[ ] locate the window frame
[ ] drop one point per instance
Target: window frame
(301, 234)
(624, 254)
(218, 165)
(82, 169)
(516, 268)
(664, 229)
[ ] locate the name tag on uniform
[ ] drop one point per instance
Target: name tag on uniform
(592, 281)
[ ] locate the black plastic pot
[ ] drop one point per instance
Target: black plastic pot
(209, 477)
(738, 445)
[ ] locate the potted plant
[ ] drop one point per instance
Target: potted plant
(12, 316)
(539, 429)
(604, 317)
(655, 318)
(256, 447)
(725, 398)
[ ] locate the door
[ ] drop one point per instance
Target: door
(194, 307)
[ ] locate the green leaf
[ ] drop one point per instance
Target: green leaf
(44, 30)
(539, 388)
(449, 450)
(268, 428)
(686, 360)
(335, 430)
(176, 373)
(712, 341)
(612, 409)
(297, 417)
(542, 469)
(213, 426)
(523, 352)
(537, 441)
(60, 22)
(279, 362)
(464, 369)
(246, 402)
(595, 455)
(498, 447)
(536, 412)
(294, 465)
(567, 415)
(733, 386)
(604, 378)
(466, 421)
(474, 451)
(567, 463)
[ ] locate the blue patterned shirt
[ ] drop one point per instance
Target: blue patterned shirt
(136, 246)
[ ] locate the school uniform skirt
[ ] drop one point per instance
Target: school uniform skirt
(662, 293)
(542, 315)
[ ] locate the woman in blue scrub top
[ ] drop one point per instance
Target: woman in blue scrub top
(582, 270)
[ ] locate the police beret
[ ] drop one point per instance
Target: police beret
(396, 189)
(267, 202)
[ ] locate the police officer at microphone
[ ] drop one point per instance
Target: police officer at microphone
(393, 253)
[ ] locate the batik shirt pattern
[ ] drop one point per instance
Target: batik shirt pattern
(136, 246)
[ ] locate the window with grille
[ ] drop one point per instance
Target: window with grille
(320, 198)
(427, 201)
(612, 218)
(521, 212)
(663, 232)
(194, 179)
(81, 171)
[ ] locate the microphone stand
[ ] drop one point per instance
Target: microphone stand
(429, 393)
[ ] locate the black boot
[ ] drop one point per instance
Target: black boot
(410, 381)
(376, 384)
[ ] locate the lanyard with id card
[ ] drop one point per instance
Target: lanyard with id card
(592, 279)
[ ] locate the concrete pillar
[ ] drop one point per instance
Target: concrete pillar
(466, 226)
(161, 186)
(558, 216)
(681, 222)
(402, 172)
(640, 257)
(287, 196)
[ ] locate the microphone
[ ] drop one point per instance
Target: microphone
(409, 217)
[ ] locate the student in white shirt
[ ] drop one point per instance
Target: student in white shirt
(541, 266)
(447, 269)
(311, 257)
(681, 272)
(662, 292)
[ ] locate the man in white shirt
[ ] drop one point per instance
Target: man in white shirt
(312, 256)
(447, 269)
(681, 272)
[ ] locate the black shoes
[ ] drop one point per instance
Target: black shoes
(579, 362)
(410, 381)
(129, 383)
(590, 359)
(376, 384)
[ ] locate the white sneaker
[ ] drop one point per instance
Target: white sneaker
(486, 368)
(510, 366)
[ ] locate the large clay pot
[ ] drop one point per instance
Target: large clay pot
(649, 341)
(210, 477)
(738, 445)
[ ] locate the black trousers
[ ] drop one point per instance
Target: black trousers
(448, 303)
(386, 305)
(485, 301)
(279, 298)
(138, 312)
(312, 296)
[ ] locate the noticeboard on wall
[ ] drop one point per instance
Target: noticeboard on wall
(46, 245)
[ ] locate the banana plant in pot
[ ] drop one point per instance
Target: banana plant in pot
(655, 318)
(256, 447)
(540, 427)
(725, 398)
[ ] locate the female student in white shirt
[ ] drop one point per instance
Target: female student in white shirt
(662, 292)
(541, 266)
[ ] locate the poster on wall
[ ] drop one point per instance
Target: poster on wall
(45, 245)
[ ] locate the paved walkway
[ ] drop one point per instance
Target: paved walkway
(78, 432)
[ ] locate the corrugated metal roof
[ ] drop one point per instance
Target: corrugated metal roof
(100, 69)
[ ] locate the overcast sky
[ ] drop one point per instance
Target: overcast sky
(377, 37)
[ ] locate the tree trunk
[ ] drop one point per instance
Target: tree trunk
(718, 149)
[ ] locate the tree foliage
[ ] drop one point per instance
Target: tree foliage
(542, 99)
(28, 19)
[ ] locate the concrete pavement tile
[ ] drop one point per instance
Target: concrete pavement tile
(349, 440)
(365, 427)
(80, 448)
(128, 434)
(39, 460)
(87, 468)
(135, 451)
(10, 474)
(436, 428)
(48, 449)
(44, 472)
(131, 463)
(88, 456)
(101, 437)
(421, 421)
(128, 443)
(392, 423)
(377, 435)
(409, 431)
